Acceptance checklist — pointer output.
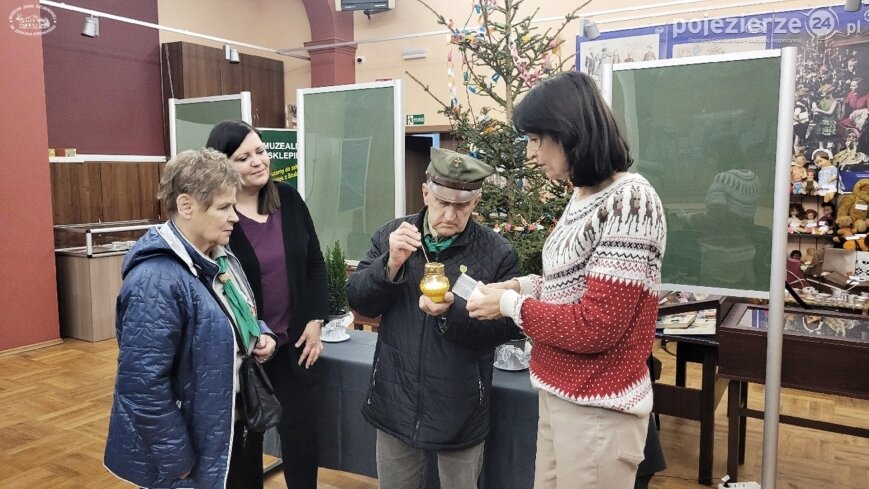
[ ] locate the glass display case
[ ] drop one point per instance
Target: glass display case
(104, 238)
(690, 313)
(672, 302)
(807, 322)
(89, 262)
(823, 351)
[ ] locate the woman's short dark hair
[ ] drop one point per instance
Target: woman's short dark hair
(226, 137)
(568, 108)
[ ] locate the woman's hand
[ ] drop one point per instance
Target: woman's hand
(313, 346)
(264, 348)
(487, 304)
(511, 284)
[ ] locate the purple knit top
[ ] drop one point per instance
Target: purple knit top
(267, 240)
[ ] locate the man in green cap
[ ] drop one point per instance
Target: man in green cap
(432, 375)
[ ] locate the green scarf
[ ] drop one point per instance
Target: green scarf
(247, 325)
(436, 245)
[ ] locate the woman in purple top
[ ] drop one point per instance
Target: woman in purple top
(280, 253)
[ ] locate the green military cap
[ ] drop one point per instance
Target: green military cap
(456, 177)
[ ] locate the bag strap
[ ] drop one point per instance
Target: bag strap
(220, 303)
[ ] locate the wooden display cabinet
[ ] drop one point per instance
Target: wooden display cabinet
(822, 351)
(191, 70)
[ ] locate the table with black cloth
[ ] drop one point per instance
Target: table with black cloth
(347, 441)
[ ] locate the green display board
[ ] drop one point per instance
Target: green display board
(281, 148)
(351, 161)
(191, 120)
(704, 135)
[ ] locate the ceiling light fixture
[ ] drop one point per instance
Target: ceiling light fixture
(91, 27)
(589, 29)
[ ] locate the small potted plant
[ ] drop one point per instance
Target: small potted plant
(337, 275)
(339, 317)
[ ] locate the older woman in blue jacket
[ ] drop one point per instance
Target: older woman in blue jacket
(173, 420)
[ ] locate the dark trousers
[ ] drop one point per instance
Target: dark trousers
(298, 391)
(245, 459)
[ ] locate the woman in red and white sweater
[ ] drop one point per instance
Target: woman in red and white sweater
(592, 313)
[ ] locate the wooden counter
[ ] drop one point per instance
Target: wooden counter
(87, 289)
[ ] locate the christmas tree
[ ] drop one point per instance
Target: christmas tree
(500, 59)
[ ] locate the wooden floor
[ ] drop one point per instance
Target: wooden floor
(54, 406)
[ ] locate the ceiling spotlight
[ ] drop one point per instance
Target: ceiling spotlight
(91, 26)
(853, 5)
(230, 54)
(589, 29)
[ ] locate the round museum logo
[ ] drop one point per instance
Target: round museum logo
(32, 20)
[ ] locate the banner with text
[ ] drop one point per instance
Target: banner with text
(281, 147)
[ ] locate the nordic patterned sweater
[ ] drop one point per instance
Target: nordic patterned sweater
(592, 314)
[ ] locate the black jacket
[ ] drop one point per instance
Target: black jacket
(306, 270)
(431, 382)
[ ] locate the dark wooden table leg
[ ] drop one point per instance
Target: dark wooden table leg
(651, 365)
(707, 418)
(680, 365)
(734, 389)
(743, 404)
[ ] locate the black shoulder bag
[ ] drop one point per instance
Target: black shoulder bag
(260, 408)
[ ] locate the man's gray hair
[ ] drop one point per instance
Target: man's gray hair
(200, 173)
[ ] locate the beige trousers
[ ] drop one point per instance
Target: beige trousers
(581, 447)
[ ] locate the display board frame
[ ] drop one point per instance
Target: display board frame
(782, 165)
(244, 115)
(308, 141)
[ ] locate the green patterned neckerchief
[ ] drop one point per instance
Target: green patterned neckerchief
(247, 325)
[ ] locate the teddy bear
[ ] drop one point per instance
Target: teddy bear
(856, 244)
(853, 211)
(844, 229)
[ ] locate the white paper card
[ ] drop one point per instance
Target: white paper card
(465, 286)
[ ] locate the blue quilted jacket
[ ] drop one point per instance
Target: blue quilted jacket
(173, 404)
